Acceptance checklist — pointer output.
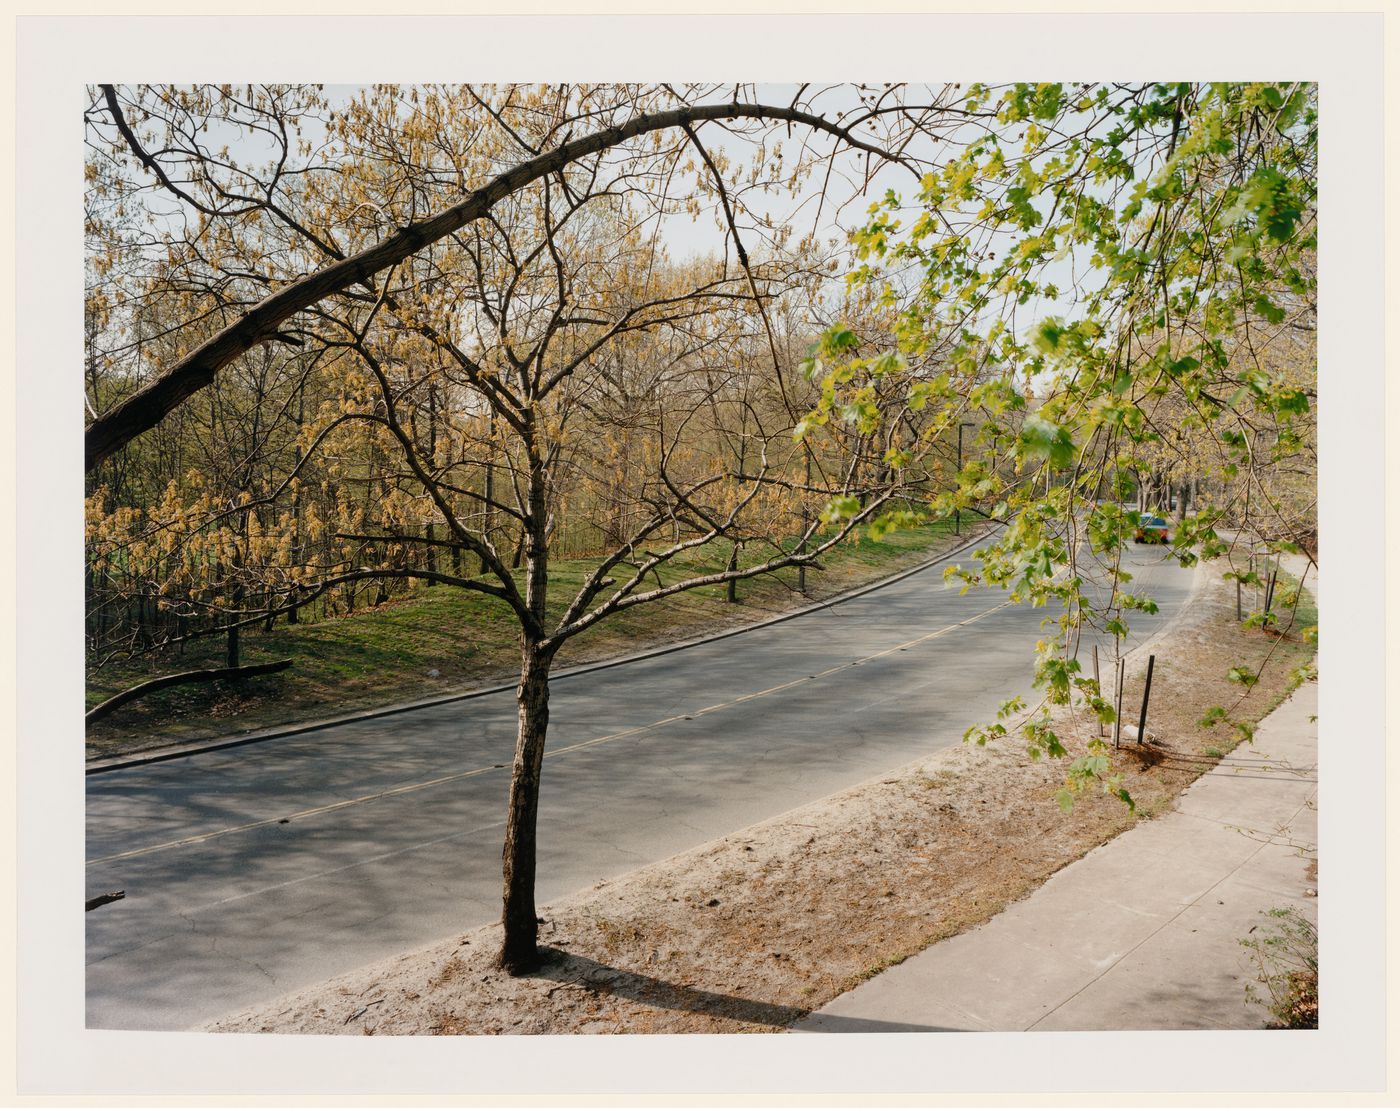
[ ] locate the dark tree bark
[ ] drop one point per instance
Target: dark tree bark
(292, 616)
(519, 921)
(519, 950)
(232, 654)
(430, 532)
(488, 487)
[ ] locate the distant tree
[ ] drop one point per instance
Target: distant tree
(228, 188)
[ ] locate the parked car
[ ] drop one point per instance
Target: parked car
(1152, 528)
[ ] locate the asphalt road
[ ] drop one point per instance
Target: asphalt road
(256, 870)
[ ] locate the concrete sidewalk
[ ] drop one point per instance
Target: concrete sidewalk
(1142, 933)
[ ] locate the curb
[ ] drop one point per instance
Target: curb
(1197, 578)
(171, 752)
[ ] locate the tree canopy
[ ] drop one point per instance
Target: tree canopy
(1120, 285)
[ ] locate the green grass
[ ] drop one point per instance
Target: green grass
(384, 655)
(1293, 650)
(1283, 648)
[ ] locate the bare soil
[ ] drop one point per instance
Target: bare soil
(753, 931)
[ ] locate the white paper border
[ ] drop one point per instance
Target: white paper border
(58, 56)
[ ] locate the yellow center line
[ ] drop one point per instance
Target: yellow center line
(400, 790)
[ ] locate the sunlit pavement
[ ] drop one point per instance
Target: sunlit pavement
(256, 870)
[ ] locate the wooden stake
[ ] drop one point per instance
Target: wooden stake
(1146, 692)
(1118, 705)
(1097, 683)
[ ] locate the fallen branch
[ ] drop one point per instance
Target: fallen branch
(361, 1011)
(105, 898)
(107, 707)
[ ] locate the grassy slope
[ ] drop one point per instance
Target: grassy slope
(385, 655)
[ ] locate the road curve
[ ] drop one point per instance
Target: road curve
(256, 870)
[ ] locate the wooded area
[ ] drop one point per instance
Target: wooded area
(342, 344)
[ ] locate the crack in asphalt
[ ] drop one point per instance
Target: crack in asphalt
(676, 821)
(214, 949)
(130, 949)
(623, 850)
(149, 940)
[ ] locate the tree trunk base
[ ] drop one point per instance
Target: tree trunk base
(519, 963)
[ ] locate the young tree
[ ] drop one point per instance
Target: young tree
(1176, 223)
(477, 372)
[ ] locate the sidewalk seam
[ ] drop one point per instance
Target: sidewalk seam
(1168, 923)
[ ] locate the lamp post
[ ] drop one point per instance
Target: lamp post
(802, 566)
(957, 512)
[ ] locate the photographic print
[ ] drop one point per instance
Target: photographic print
(774, 568)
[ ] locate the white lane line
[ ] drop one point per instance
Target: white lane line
(342, 869)
(401, 790)
(191, 840)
